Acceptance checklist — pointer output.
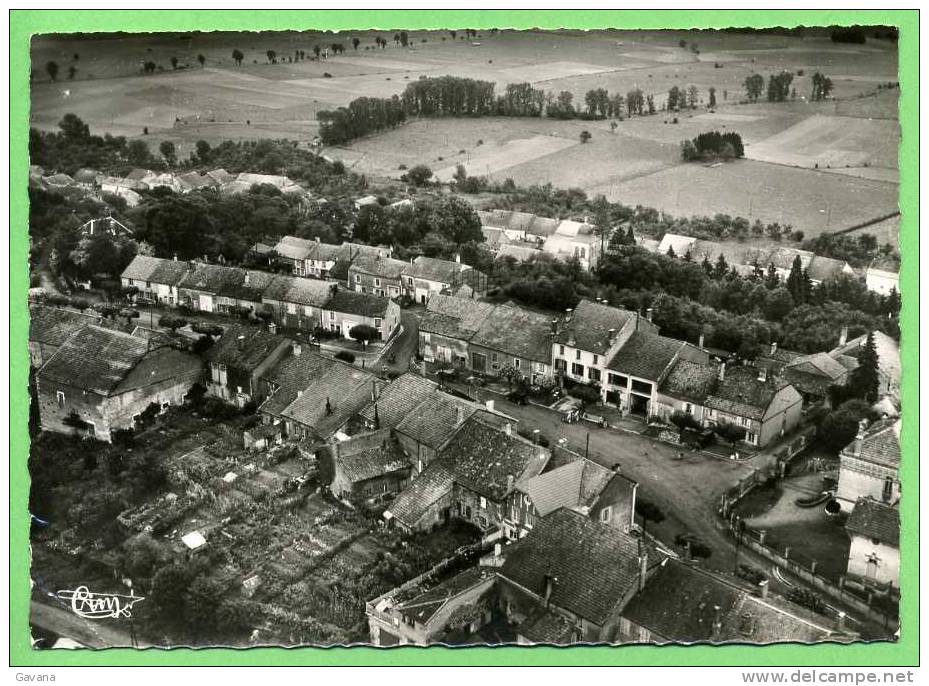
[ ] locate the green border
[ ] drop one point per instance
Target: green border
(24, 23)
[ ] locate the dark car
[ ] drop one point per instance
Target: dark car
(518, 396)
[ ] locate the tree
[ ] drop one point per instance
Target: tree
(363, 333)
(675, 100)
(316, 51)
(356, 42)
(173, 62)
(864, 378)
(684, 420)
(169, 587)
(692, 96)
(52, 69)
(797, 284)
(72, 70)
(172, 323)
(237, 57)
(455, 219)
(712, 102)
(201, 59)
(168, 151)
(404, 39)
(272, 56)
(137, 153)
(419, 175)
(732, 433)
(585, 136)
(754, 85)
(201, 602)
(648, 511)
(838, 428)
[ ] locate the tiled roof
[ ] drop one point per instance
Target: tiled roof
(818, 364)
(156, 270)
(594, 565)
(690, 380)
(543, 626)
(483, 458)
(294, 289)
(244, 347)
(881, 443)
(95, 359)
(346, 389)
(742, 394)
(875, 520)
(681, 603)
(370, 462)
(376, 265)
(454, 317)
(432, 269)
(290, 376)
(399, 398)
(577, 485)
(415, 500)
(434, 421)
(361, 304)
(519, 251)
(589, 328)
(518, 332)
(53, 326)
(645, 355)
(294, 248)
(209, 278)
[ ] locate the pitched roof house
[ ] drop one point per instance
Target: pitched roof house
(50, 327)
(367, 467)
(100, 380)
(238, 360)
(869, 466)
(874, 554)
(883, 276)
(812, 375)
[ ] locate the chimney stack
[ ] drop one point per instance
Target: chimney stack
(272, 328)
(175, 257)
(549, 587)
(459, 416)
(373, 390)
(840, 621)
(859, 437)
(246, 277)
(490, 405)
(297, 349)
(763, 588)
(612, 334)
(567, 314)
(458, 258)
(773, 348)
(328, 406)
(722, 371)
(843, 337)
(643, 568)
(240, 341)
(509, 482)
(648, 314)
(700, 342)
(508, 429)
(762, 374)
(717, 621)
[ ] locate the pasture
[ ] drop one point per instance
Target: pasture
(852, 138)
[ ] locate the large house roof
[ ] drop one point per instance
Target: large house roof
(592, 565)
(361, 304)
(370, 461)
(96, 359)
(434, 421)
(433, 269)
(521, 252)
(53, 326)
(300, 291)
(453, 317)
(881, 444)
(244, 347)
(589, 326)
(375, 265)
(486, 460)
(816, 373)
(874, 520)
(294, 248)
(156, 270)
(646, 355)
(576, 485)
(689, 380)
(423, 492)
(422, 607)
(518, 332)
(741, 393)
(682, 603)
(399, 398)
(290, 376)
(331, 399)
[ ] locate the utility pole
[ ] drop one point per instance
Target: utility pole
(587, 449)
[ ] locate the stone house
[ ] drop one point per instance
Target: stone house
(576, 568)
(238, 361)
(869, 466)
(367, 467)
(813, 375)
(346, 309)
(575, 241)
(381, 276)
(426, 276)
(768, 407)
(50, 327)
(874, 554)
(447, 326)
(157, 279)
(512, 336)
(100, 380)
(296, 303)
(686, 388)
(588, 336)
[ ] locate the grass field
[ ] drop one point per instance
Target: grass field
(637, 164)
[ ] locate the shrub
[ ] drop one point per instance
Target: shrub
(345, 356)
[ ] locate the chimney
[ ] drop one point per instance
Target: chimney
(175, 257)
(490, 405)
(317, 239)
(373, 390)
(763, 588)
(612, 335)
(299, 394)
(240, 341)
(328, 406)
(773, 348)
(247, 277)
(700, 342)
(840, 621)
(297, 349)
(616, 468)
(643, 568)
(509, 482)
(272, 328)
(206, 260)
(459, 416)
(567, 314)
(722, 371)
(762, 374)
(458, 258)
(377, 418)
(843, 337)
(648, 314)
(549, 587)
(508, 429)
(859, 437)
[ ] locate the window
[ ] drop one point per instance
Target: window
(148, 285)
(331, 316)
(308, 311)
(688, 408)
(291, 308)
(377, 323)
(561, 350)
(131, 282)
(357, 278)
(60, 398)
(427, 338)
(888, 491)
(619, 380)
(577, 369)
(605, 514)
(377, 282)
(596, 360)
(516, 362)
(577, 354)
(561, 365)
(594, 374)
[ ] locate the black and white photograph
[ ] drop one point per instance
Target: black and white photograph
(464, 337)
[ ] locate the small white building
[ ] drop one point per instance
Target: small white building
(874, 554)
(883, 276)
